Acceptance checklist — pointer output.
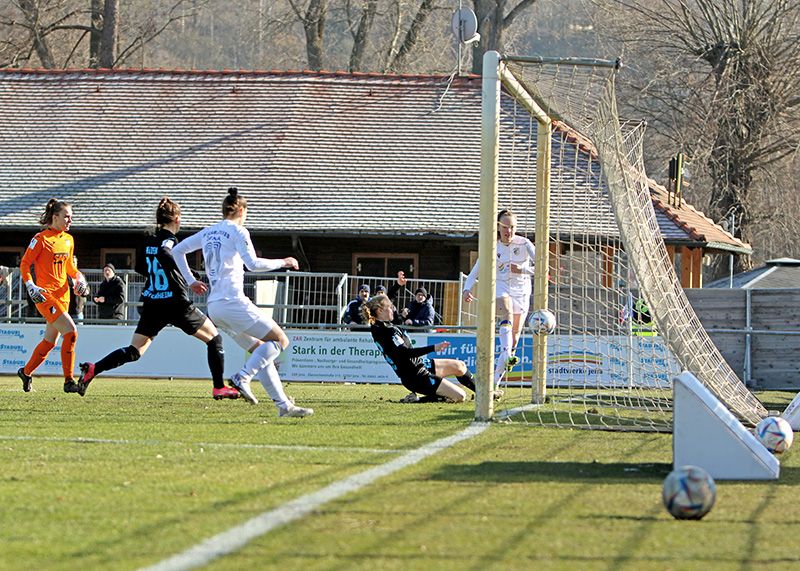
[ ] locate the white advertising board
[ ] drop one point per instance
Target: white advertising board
(349, 356)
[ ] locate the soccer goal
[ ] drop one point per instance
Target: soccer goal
(555, 151)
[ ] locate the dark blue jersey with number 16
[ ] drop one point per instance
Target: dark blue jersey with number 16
(164, 282)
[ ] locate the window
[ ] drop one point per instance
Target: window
(383, 265)
(122, 258)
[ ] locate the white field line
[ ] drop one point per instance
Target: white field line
(505, 414)
(237, 537)
(81, 440)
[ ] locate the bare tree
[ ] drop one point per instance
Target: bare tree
(495, 17)
(96, 35)
(720, 78)
(56, 29)
(37, 31)
(26, 27)
(107, 56)
(360, 32)
(397, 60)
(312, 16)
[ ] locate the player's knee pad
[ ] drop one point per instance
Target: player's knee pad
(132, 353)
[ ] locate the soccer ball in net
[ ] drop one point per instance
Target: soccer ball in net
(542, 322)
(689, 492)
(775, 433)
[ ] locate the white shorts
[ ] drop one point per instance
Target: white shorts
(520, 305)
(242, 320)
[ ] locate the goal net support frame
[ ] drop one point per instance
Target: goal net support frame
(623, 177)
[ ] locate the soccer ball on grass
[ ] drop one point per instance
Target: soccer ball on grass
(775, 433)
(689, 492)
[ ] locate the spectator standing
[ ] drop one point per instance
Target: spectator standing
(353, 314)
(110, 295)
(419, 312)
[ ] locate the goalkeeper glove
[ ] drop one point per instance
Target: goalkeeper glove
(81, 287)
(36, 293)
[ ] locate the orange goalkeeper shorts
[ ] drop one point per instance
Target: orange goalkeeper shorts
(51, 309)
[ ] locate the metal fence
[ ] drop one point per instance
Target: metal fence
(304, 300)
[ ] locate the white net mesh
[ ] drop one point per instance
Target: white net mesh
(625, 326)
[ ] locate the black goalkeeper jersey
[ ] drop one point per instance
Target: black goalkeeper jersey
(164, 284)
(398, 350)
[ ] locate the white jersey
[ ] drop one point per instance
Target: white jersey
(227, 249)
(519, 251)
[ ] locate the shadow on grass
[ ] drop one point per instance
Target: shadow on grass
(610, 473)
(494, 471)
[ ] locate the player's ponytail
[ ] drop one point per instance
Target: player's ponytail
(54, 206)
(369, 309)
(233, 203)
(166, 212)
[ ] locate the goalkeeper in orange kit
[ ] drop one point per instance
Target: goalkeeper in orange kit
(50, 255)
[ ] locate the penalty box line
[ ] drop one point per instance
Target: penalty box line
(237, 537)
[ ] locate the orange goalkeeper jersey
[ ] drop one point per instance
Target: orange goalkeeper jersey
(50, 254)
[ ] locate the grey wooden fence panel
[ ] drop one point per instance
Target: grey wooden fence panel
(774, 347)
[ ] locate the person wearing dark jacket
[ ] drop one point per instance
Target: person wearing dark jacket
(110, 295)
(419, 312)
(352, 315)
(406, 360)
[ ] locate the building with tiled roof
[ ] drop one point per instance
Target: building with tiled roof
(780, 273)
(344, 171)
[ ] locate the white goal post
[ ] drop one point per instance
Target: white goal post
(555, 151)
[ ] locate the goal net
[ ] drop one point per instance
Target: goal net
(573, 173)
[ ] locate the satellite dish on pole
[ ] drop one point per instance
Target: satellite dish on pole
(465, 26)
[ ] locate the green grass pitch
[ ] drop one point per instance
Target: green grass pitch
(140, 470)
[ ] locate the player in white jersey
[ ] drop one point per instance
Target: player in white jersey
(515, 266)
(227, 249)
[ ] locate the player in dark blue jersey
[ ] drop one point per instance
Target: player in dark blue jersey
(406, 360)
(165, 301)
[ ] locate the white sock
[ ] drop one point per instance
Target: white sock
(271, 381)
(264, 354)
(506, 336)
(500, 367)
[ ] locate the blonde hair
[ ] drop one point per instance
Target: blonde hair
(369, 309)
